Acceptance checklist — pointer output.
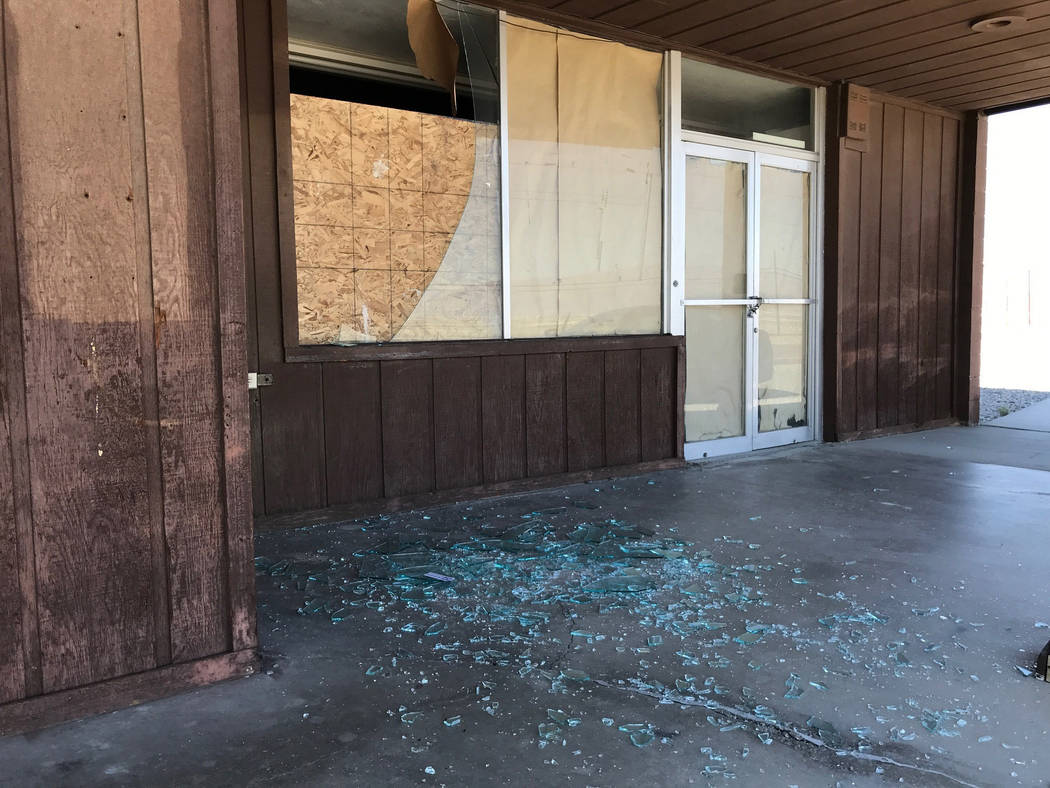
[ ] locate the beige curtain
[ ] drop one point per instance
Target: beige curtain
(585, 184)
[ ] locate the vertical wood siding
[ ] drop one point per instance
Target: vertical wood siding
(398, 428)
(891, 263)
(121, 314)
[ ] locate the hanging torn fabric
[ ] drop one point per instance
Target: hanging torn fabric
(436, 50)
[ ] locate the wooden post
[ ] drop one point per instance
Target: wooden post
(970, 266)
(832, 189)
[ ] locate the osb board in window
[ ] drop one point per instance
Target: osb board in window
(378, 195)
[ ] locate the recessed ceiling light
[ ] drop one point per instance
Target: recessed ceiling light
(998, 23)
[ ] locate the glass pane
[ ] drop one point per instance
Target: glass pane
(737, 104)
(715, 228)
(714, 378)
(782, 372)
(344, 34)
(783, 246)
(585, 184)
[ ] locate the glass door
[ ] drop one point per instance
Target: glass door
(747, 300)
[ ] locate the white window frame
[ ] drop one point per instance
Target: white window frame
(504, 174)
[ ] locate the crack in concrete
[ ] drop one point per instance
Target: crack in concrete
(787, 730)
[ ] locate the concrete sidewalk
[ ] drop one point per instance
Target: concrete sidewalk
(856, 614)
(985, 445)
(1035, 418)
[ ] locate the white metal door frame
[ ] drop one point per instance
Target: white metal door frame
(740, 443)
(754, 156)
(765, 440)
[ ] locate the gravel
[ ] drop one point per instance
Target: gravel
(999, 402)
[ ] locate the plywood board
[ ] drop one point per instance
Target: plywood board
(379, 195)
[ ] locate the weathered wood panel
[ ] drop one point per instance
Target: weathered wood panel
(182, 233)
(545, 413)
(457, 423)
(888, 392)
(947, 305)
(894, 225)
(503, 417)
(73, 165)
(125, 503)
(585, 409)
(622, 402)
(659, 403)
(929, 243)
(17, 571)
(12, 665)
(292, 412)
(846, 308)
(353, 432)
(408, 427)
(908, 304)
(228, 127)
(868, 259)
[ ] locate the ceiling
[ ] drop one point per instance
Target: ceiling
(920, 49)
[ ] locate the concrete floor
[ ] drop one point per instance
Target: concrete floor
(1034, 418)
(834, 615)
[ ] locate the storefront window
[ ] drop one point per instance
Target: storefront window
(733, 103)
(397, 218)
(585, 184)
(397, 190)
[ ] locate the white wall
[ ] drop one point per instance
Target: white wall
(1015, 343)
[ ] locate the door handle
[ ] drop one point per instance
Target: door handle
(752, 309)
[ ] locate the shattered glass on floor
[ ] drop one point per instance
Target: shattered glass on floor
(750, 643)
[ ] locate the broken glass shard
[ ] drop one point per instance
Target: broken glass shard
(642, 738)
(558, 716)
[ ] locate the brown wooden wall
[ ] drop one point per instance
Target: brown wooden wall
(892, 290)
(342, 426)
(125, 521)
(339, 433)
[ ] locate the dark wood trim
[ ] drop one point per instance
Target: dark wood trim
(680, 369)
(898, 429)
(335, 514)
(13, 379)
(480, 347)
(252, 300)
(58, 707)
(282, 121)
(228, 132)
(1016, 106)
(832, 197)
(970, 265)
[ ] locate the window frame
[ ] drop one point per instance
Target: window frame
(672, 234)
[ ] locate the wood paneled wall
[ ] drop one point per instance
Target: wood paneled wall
(125, 520)
(340, 433)
(892, 290)
(426, 417)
